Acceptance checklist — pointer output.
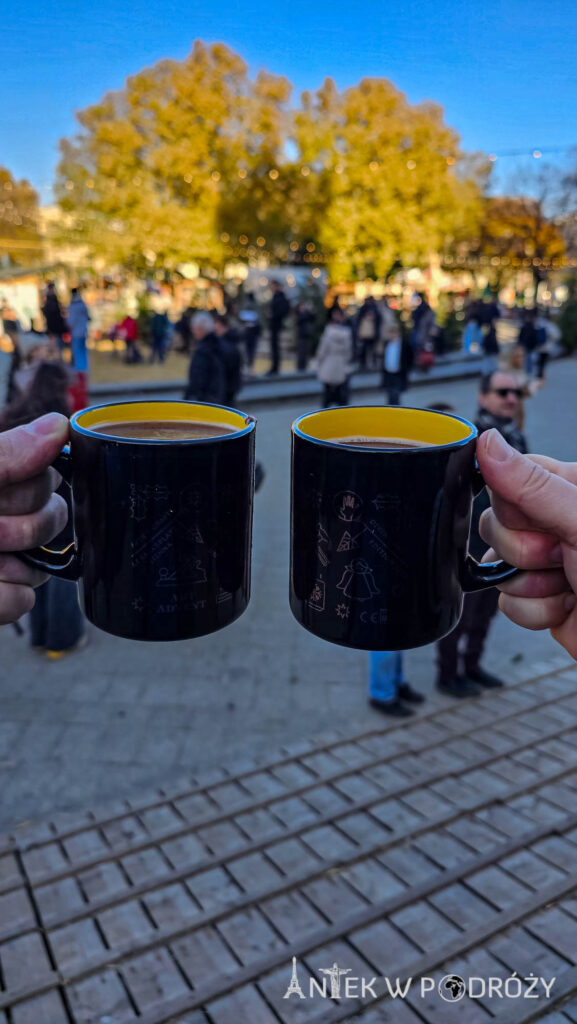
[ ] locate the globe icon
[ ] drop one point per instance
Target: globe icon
(452, 988)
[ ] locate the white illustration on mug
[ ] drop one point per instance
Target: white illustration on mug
(348, 542)
(317, 598)
(194, 573)
(343, 611)
(140, 498)
(385, 501)
(223, 595)
(322, 538)
(348, 506)
(357, 581)
(138, 604)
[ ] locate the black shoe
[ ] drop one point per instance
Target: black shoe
(391, 707)
(482, 678)
(405, 692)
(458, 687)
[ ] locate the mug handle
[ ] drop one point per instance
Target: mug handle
(482, 575)
(63, 564)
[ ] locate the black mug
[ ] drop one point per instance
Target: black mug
(162, 528)
(379, 534)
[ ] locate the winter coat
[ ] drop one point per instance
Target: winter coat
(232, 362)
(206, 376)
(55, 322)
(334, 354)
(78, 318)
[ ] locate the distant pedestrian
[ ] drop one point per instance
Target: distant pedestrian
(460, 673)
(490, 349)
(55, 322)
(305, 320)
(529, 340)
(127, 331)
(279, 310)
(368, 332)
(423, 323)
(389, 691)
(397, 362)
(206, 376)
(56, 622)
(183, 329)
(549, 336)
(159, 336)
(334, 356)
(78, 320)
(229, 342)
(251, 327)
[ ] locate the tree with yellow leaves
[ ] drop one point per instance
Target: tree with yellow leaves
(19, 238)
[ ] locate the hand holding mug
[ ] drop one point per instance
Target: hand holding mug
(30, 512)
(533, 524)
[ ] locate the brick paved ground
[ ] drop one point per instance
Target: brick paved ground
(444, 846)
(121, 716)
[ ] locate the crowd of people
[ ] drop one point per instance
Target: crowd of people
(219, 348)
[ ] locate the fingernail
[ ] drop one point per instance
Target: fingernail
(497, 447)
(46, 426)
(569, 602)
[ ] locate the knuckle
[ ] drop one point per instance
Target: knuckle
(536, 481)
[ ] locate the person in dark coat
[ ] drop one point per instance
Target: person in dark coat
(499, 399)
(55, 322)
(206, 376)
(229, 340)
(529, 340)
(159, 333)
(305, 318)
(279, 310)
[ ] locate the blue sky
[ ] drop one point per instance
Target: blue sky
(504, 70)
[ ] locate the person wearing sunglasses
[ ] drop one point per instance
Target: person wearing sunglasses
(460, 673)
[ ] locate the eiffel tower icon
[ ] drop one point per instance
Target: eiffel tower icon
(294, 987)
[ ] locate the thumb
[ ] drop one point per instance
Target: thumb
(27, 451)
(548, 501)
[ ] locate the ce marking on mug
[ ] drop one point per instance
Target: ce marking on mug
(376, 618)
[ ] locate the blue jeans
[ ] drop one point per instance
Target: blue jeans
(80, 353)
(56, 621)
(385, 674)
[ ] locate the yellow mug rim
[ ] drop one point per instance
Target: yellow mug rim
(424, 420)
(86, 421)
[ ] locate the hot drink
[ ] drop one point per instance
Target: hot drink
(381, 442)
(163, 430)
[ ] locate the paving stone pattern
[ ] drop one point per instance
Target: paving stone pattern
(447, 845)
(122, 716)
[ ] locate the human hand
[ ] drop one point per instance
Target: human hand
(533, 524)
(30, 513)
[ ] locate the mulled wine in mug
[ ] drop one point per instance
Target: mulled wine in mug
(162, 500)
(380, 516)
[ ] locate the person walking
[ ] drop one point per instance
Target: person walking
(56, 623)
(55, 322)
(499, 398)
(368, 332)
(229, 342)
(279, 310)
(334, 356)
(251, 327)
(206, 375)
(305, 319)
(490, 349)
(127, 330)
(389, 691)
(78, 320)
(397, 362)
(529, 340)
(159, 334)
